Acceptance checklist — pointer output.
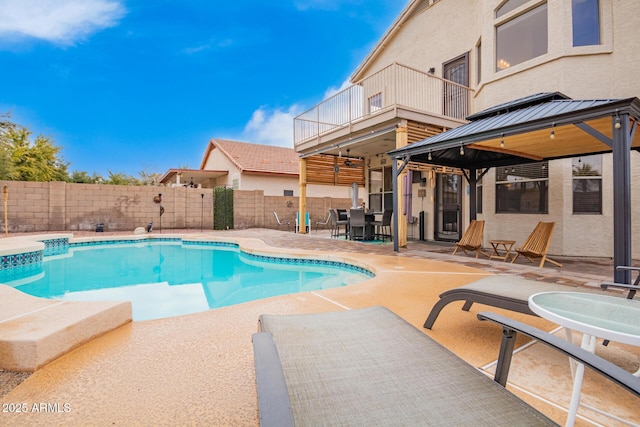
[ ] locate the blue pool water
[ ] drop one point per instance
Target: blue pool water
(164, 279)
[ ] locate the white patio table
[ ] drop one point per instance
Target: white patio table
(596, 316)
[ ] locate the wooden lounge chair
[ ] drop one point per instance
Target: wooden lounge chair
(371, 367)
(472, 238)
(537, 244)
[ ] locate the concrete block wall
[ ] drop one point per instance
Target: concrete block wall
(60, 206)
(287, 208)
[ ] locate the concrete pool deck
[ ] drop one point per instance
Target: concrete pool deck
(198, 369)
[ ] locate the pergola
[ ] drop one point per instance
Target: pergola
(545, 126)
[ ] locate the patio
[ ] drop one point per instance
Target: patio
(198, 369)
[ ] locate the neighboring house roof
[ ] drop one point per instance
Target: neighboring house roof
(197, 176)
(413, 8)
(256, 158)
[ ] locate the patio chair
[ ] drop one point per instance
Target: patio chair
(336, 223)
(324, 223)
(472, 238)
(383, 227)
(307, 221)
(285, 223)
(633, 288)
(357, 221)
(502, 291)
(370, 367)
(537, 244)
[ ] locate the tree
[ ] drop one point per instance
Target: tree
(7, 170)
(22, 159)
(121, 179)
(82, 177)
(37, 161)
(149, 178)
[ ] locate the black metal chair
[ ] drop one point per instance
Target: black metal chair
(383, 227)
(336, 223)
(357, 221)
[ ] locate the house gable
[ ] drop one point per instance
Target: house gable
(253, 158)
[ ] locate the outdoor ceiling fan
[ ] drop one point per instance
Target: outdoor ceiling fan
(353, 163)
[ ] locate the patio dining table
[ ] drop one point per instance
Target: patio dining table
(369, 228)
(595, 315)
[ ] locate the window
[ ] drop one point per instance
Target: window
(456, 99)
(381, 189)
(236, 184)
(288, 193)
(508, 6)
(522, 38)
(587, 185)
(375, 102)
(523, 188)
(586, 22)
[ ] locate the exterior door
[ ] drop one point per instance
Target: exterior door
(448, 207)
(455, 97)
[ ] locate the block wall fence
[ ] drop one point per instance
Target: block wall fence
(60, 206)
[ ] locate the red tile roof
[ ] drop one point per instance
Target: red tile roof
(256, 158)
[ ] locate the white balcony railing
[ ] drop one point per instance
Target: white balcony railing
(395, 85)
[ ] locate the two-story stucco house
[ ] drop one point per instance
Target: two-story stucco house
(443, 61)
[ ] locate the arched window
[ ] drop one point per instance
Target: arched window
(508, 6)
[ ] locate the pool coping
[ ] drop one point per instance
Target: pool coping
(36, 331)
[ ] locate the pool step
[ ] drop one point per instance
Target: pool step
(35, 331)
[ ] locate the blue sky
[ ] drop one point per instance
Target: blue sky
(128, 86)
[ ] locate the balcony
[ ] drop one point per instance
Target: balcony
(396, 87)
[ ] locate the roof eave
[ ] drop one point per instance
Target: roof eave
(389, 34)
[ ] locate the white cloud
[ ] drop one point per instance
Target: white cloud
(275, 126)
(333, 90)
(58, 21)
(271, 127)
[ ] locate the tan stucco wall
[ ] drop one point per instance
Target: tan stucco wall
(275, 186)
(449, 29)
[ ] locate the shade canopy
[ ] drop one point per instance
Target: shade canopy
(545, 126)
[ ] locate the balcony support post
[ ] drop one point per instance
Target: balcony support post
(402, 140)
(302, 200)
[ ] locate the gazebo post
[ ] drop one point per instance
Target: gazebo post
(621, 197)
(473, 200)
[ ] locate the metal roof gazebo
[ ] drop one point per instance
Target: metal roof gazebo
(544, 126)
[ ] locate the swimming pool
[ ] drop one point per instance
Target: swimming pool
(164, 278)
